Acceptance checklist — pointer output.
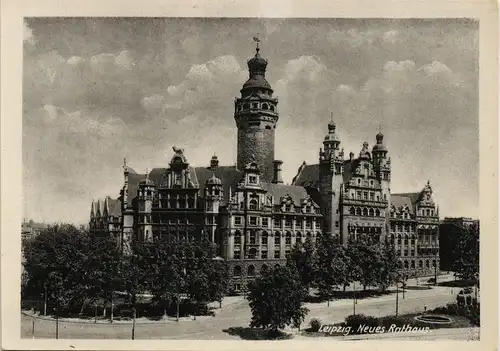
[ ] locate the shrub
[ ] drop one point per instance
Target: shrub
(356, 320)
(390, 320)
(315, 324)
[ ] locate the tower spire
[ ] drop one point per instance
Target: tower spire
(257, 40)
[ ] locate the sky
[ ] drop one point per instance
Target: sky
(97, 90)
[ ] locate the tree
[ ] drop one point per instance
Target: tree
(364, 260)
(55, 263)
(301, 258)
(276, 299)
(466, 263)
(386, 267)
(331, 266)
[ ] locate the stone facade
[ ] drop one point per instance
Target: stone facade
(253, 217)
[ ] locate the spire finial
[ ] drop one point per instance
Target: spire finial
(257, 40)
(147, 174)
(124, 162)
(331, 117)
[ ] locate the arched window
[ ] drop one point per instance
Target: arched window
(264, 268)
(352, 211)
(406, 264)
(358, 211)
(263, 238)
(412, 264)
(405, 238)
(265, 106)
(371, 213)
(253, 204)
(427, 263)
(252, 253)
(272, 108)
(298, 236)
(251, 271)
(237, 271)
(365, 212)
(420, 264)
(377, 212)
(288, 238)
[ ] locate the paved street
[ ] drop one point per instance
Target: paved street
(235, 312)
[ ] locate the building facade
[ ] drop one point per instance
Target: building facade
(253, 216)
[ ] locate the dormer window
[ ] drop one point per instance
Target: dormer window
(288, 208)
(254, 105)
(252, 179)
(253, 204)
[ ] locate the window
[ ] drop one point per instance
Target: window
(392, 239)
(433, 263)
(263, 254)
(287, 253)
(377, 212)
(352, 211)
(298, 223)
(365, 195)
(406, 264)
(288, 238)
(336, 224)
(288, 208)
(252, 254)
(413, 239)
(237, 255)
(412, 264)
(371, 212)
(237, 237)
(399, 239)
(253, 221)
(264, 268)
(237, 271)
(263, 238)
(277, 222)
(254, 105)
(365, 212)
(427, 263)
(253, 205)
(308, 223)
(358, 211)
(277, 238)
(237, 220)
(288, 223)
(371, 196)
(298, 237)
(358, 193)
(420, 264)
(412, 252)
(265, 222)
(359, 182)
(252, 179)
(405, 252)
(252, 238)
(276, 253)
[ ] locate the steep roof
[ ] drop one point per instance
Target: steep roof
(405, 199)
(279, 191)
(229, 175)
(307, 175)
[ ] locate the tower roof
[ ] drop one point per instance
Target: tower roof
(257, 72)
(379, 146)
(332, 135)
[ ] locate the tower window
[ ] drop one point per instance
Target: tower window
(272, 108)
(268, 127)
(254, 105)
(246, 106)
(265, 107)
(252, 179)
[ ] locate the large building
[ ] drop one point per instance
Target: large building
(450, 232)
(253, 216)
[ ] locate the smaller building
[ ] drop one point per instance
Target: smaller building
(30, 229)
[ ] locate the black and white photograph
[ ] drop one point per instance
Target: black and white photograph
(250, 179)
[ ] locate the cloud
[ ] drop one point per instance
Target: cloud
(97, 90)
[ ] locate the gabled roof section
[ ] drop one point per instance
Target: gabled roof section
(405, 199)
(114, 207)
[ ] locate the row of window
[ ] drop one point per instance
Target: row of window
(358, 211)
(255, 105)
(404, 239)
(277, 222)
(252, 254)
(253, 204)
(367, 195)
(264, 237)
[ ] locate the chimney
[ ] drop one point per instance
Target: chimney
(277, 172)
